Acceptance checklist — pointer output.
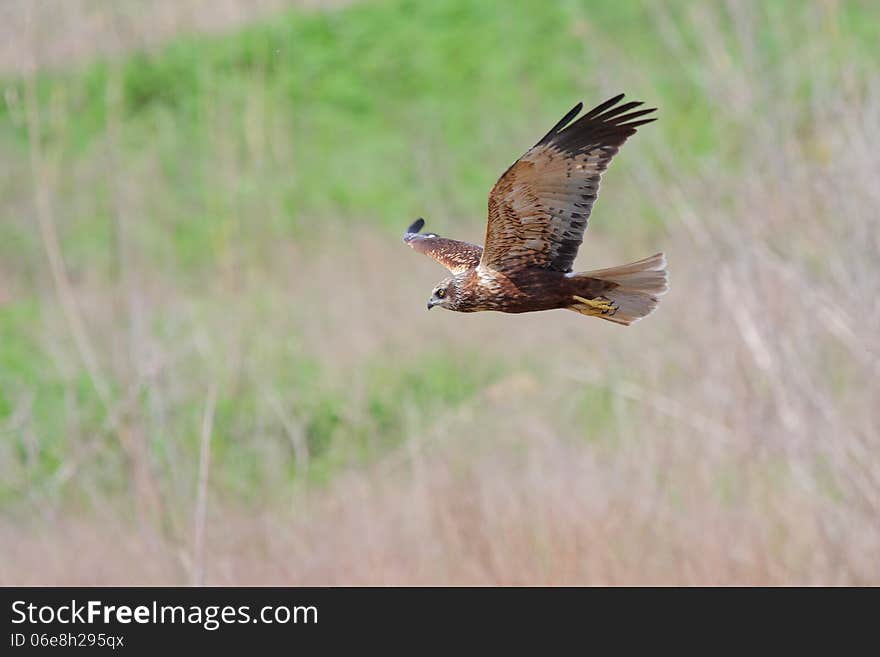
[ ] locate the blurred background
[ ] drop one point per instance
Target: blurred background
(215, 361)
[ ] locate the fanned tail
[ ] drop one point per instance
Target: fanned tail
(635, 294)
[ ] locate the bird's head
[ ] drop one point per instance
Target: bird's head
(445, 294)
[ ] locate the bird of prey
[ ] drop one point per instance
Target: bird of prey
(538, 212)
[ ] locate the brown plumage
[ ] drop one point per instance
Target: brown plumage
(538, 212)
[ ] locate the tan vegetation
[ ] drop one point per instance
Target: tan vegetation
(57, 34)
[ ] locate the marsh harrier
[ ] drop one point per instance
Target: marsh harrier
(538, 212)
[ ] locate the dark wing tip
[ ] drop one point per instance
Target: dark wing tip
(636, 124)
(626, 119)
(414, 228)
(562, 123)
(611, 102)
(609, 114)
(609, 123)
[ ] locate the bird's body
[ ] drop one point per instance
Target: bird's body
(538, 212)
(527, 290)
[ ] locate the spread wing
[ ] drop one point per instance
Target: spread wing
(456, 256)
(538, 210)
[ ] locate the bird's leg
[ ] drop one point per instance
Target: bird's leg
(600, 305)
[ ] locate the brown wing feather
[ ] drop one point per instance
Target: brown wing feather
(539, 208)
(456, 256)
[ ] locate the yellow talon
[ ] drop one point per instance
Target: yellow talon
(600, 305)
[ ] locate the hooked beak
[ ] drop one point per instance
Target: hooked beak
(432, 303)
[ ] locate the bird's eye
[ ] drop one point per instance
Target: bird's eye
(440, 293)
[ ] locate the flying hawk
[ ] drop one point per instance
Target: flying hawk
(538, 212)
